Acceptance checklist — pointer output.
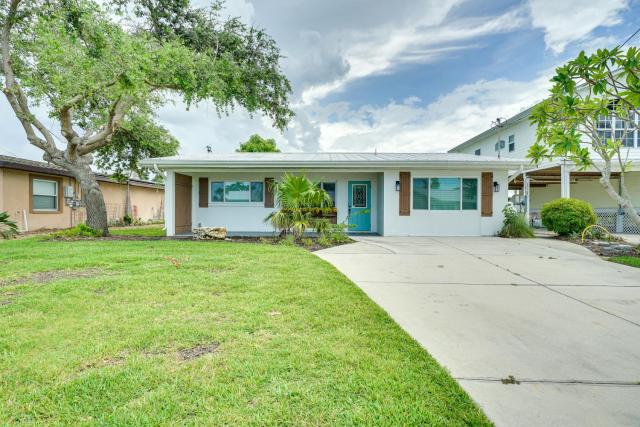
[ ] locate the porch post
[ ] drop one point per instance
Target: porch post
(527, 197)
(169, 203)
(565, 180)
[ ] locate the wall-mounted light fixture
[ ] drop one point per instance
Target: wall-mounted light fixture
(397, 185)
(496, 187)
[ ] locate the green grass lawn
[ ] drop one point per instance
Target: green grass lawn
(146, 231)
(627, 260)
(191, 333)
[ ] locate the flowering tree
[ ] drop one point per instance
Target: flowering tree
(588, 91)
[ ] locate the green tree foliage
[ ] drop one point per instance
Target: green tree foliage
(96, 65)
(258, 144)
(585, 90)
(136, 138)
(567, 216)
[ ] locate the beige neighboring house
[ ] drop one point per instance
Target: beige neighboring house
(40, 195)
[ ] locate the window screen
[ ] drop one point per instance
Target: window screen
(469, 193)
(217, 191)
(257, 191)
(445, 194)
(421, 193)
(45, 195)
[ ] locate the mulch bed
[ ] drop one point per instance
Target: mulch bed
(271, 240)
(606, 248)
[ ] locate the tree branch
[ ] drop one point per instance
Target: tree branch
(103, 137)
(14, 94)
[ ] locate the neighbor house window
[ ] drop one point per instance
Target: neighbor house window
(237, 191)
(512, 143)
(421, 193)
(330, 188)
(445, 194)
(477, 152)
(44, 195)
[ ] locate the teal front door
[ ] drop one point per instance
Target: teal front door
(359, 205)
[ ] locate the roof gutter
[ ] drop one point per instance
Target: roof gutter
(226, 164)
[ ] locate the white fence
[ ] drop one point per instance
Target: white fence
(610, 219)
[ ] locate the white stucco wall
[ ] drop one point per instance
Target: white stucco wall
(248, 217)
(442, 223)
(385, 218)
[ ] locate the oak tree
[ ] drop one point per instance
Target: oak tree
(92, 66)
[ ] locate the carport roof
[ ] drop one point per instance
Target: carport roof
(332, 160)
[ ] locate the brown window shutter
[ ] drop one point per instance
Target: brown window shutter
(203, 192)
(487, 194)
(268, 193)
(405, 193)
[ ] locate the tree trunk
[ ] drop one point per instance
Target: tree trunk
(619, 199)
(94, 203)
(91, 193)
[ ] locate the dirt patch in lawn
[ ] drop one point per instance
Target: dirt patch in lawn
(44, 277)
(197, 351)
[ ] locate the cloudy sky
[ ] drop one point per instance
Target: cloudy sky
(403, 75)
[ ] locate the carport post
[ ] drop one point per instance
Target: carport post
(565, 180)
(527, 193)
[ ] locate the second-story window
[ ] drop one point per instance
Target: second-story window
(621, 130)
(512, 143)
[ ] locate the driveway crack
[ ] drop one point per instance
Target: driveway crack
(549, 288)
(511, 380)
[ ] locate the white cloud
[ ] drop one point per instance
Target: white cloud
(439, 126)
(384, 49)
(565, 21)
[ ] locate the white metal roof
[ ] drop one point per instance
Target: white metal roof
(329, 160)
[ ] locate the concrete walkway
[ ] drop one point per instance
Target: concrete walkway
(549, 314)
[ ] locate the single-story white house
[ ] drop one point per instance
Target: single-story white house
(391, 194)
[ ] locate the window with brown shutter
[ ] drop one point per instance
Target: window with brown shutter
(487, 194)
(203, 192)
(268, 193)
(405, 193)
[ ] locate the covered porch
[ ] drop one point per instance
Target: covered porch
(537, 186)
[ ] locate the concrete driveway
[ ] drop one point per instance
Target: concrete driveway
(561, 322)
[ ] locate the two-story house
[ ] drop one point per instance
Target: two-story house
(535, 185)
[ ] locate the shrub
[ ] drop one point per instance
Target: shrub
(324, 241)
(288, 240)
(80, 230)
(514, 224)
(567, 216)
(307, 242)
(126, 220)
(337, 234)
(8, 228)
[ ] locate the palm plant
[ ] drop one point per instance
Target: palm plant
(8, 228)
(295, 194)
